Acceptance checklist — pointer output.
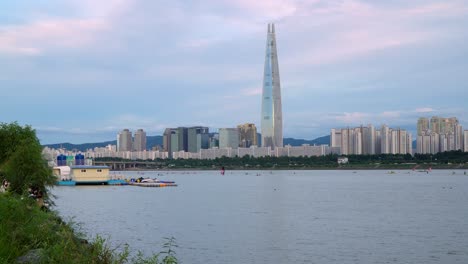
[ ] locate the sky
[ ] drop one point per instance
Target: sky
(81, 70)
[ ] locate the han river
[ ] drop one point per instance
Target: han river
(283, 216)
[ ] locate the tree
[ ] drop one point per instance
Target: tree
(21, 161)
(10, 135)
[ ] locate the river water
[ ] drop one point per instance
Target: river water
(283, 216)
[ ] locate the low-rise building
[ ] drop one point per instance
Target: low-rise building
(90, 174)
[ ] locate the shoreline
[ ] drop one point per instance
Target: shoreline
(457, 167)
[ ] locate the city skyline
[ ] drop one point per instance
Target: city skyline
(79, 71)
(439, 135)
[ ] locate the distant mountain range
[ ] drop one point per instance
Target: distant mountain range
(152, 141)
(325, 140)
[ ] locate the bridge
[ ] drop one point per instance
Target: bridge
(124, 165)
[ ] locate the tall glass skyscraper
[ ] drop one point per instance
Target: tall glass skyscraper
(272, 116)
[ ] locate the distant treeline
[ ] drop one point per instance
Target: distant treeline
(452, 159)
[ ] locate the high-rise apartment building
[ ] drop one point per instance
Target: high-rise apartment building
(248, 135)
(272, 116)
(197, 138)
(188, 139)
(175, 143)
(335, 138)
(443, 134)
(422, 126)
(213, 140)
(167, 140)
(385, 140)
(368, 140)
(357, 141)
(125, 140)
(368, 135)
(228, 138)
(170, 141)
(442, 125)
(398, 141)
(118, 141)
(183, 138)
(378, 142)
(175, 139)
(347, 142)
(434, 143)
(465, 140)
(423, 143)
(458, 134)
(409, 144)
(139, 140)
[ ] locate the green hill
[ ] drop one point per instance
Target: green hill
(325, 140)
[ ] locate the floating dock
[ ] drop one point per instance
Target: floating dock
(152, 184)
(117, 182)
(66, 183)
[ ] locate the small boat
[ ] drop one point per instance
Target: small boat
(149, 180)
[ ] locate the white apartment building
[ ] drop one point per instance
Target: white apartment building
(368, 140)
(442, 134)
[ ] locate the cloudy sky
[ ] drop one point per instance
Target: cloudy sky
(81, 70)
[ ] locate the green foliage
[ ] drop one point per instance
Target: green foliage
(24, 227)
(169, 253)
(11, 135)
(21, 162)
(26, 169)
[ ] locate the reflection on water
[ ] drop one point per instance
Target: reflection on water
(284, 216)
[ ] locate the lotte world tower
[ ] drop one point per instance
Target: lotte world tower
(272, 117)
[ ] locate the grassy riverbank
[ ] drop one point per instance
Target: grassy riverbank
(25, 227)
(43, 237)
(29, 234)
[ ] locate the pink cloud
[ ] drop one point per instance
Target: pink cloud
(354, 28)
(452, 8)
(272, 9)
(199, 43)
(46, 33)
(40, 36)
